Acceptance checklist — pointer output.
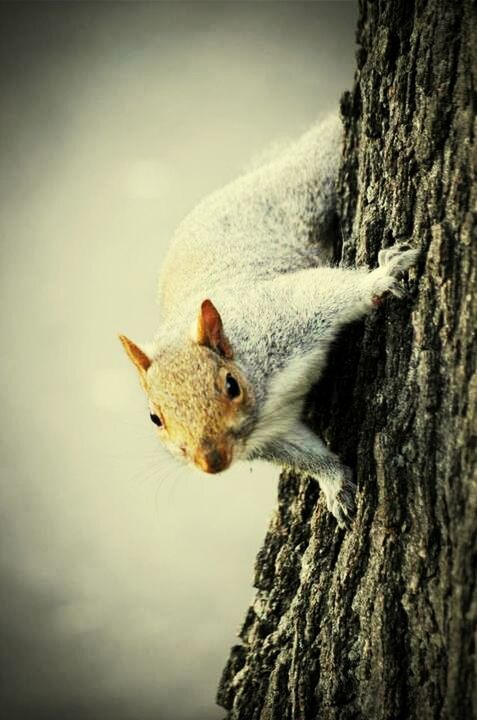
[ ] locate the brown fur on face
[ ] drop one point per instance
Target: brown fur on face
(187, 387)
(187, 390)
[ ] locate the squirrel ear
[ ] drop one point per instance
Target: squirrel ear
(139, 358)
(210, 331)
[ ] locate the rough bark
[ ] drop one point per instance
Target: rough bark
(378, 622)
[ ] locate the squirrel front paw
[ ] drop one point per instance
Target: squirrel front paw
(392, 262)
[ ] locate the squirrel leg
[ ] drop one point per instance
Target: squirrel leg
(359, 291)
(350, 294)
(302, 450)
(315, 303)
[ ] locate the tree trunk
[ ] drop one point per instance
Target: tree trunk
(378, 622)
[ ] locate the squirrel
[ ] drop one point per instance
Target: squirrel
(250, 306)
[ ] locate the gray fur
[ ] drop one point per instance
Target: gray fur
(258, 250)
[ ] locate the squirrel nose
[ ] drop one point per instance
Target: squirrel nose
(212, 461)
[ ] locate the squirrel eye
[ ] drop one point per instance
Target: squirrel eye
(232, 388)
(156, 420)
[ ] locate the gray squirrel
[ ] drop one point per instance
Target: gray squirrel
(249, 308)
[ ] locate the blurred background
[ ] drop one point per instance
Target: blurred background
(124, 577)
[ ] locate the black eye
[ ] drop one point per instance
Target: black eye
(232, 387)
(156, 420)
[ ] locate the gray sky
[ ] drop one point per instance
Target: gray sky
(124, 577)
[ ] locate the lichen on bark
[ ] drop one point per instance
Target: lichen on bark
(379, 622)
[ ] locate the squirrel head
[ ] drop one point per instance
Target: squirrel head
(199, 399)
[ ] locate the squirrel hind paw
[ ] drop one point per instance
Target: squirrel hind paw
(345, 506)
(342, 503)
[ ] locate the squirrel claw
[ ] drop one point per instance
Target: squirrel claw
(346, 509)
(343, 505)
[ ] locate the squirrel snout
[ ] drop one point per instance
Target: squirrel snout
(213, 460)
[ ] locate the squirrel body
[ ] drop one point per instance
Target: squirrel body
(249, 309)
